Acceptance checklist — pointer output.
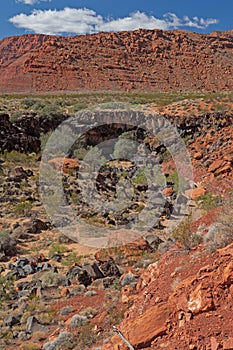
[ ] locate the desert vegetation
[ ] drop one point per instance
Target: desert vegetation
(80, 293)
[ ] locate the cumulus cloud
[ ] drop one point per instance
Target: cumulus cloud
(31, 2)
(83, 20)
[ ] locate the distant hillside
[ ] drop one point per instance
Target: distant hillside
(136, 60)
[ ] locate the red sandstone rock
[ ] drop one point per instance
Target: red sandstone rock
(195, 193)
(168, 191)
(227, 168)
(228, 274)
(214, 344)
(143, 330)
(216, 165)
(200, 300)
(117, 61)
(65, 163)
(228, 344)
(198, 156)
(199, 305)
(132, 249)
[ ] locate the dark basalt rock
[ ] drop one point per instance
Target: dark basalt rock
(7, 246)
(36, 226)
(15, 138)
(11, 320)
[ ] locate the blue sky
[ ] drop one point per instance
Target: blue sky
(72, 17)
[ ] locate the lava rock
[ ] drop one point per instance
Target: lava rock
(11, 321)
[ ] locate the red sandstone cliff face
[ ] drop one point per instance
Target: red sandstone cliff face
(140, 60)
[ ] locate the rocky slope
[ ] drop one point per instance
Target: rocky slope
(141, 60)
(159, 294)
(180, 302)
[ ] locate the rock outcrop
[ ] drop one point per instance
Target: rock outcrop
(23, 135)
(170, 307)
(136, 60)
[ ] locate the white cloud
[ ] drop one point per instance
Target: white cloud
(135, 21)
(31, 2)
(83, 20)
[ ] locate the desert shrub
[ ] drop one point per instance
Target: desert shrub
(79, 106)
(44, 138)
(114, 314)
(180, 184)
(18, 158)
(208, 201)
(220, 234)
(28, 103)
(15, 115)
(184, 235)
(86, 337)
(78, 321)
(114, 105)
(57, 249)
(165, 156)
(46, 107)
(65, 341)
(89, 312)
(186, 139)
(71, 259)
(128, 135)
(22, 208)
(94, 158)
(7, 291)
(52, 279)
(47, 317)
(140, 178)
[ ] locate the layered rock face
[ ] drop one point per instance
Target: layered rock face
(137, 60)
(185, 312)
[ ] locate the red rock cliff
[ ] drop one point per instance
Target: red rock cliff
(140, 60)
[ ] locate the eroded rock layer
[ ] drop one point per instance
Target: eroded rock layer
(136, 60)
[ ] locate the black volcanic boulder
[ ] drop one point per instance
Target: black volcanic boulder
(7, 246)
(36, 226)
(109, 268)
(18, 174)
(15, 138)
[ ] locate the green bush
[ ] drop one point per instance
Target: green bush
(7, 291)
(79, 106)
(22, 208)
(71, 259)
(28, 102)
(208, 201)
(15, 116)
(47, 107)
(18, 158)
(52, 279)
(140, 178)
(44, 138)
(57, 249)
(180, 184)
